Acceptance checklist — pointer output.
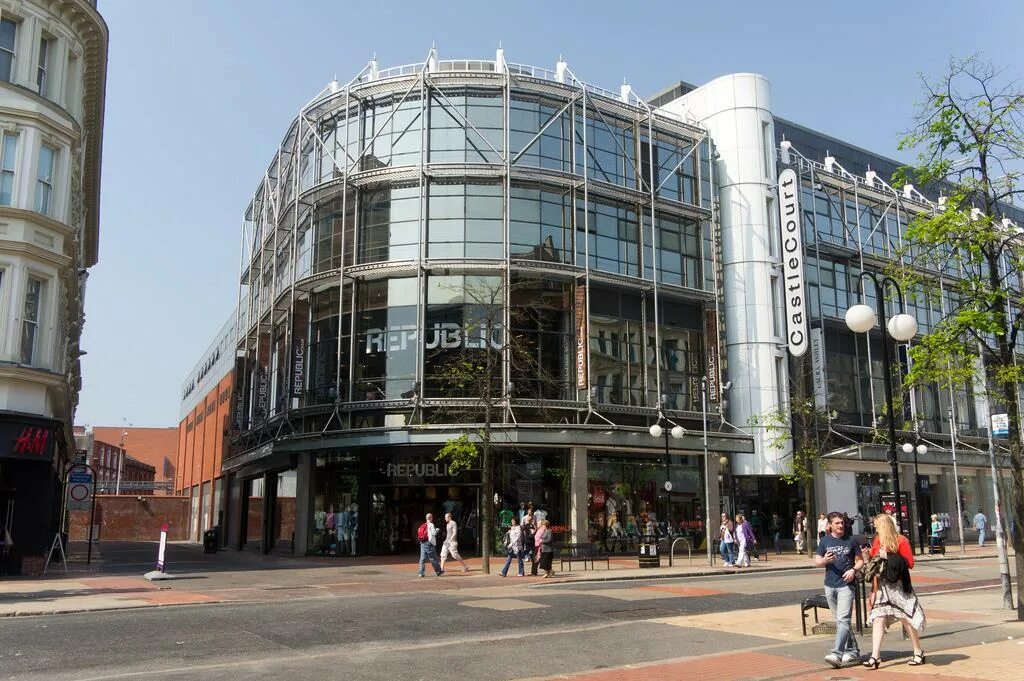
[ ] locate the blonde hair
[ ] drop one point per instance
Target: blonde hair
(546, 522)
(885, 528)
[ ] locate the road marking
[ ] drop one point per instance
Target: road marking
(503, 604)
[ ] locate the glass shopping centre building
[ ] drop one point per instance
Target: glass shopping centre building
(451, 244)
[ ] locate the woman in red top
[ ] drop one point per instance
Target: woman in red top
(892, 595)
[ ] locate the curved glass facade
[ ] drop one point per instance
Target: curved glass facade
(415, 223)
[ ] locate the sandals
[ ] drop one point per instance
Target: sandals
(916, 660)
(872, 662)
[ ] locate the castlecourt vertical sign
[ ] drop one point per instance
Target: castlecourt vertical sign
(791, 225)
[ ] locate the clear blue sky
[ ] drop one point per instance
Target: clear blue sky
(200, 92)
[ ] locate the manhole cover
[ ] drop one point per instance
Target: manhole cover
(639, 613)
(824, 628)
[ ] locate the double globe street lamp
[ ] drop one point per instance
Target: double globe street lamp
(677, 432)
(901, 327)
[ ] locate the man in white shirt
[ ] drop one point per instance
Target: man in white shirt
(450, 547)
(427, 536)
(980, 522)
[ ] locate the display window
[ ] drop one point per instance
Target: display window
(335, 506)
(627, 500)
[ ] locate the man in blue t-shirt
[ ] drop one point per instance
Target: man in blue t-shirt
(841, 559)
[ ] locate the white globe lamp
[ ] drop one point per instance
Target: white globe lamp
(861, 318)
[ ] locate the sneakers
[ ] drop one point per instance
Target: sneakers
(440, 573)
(834, 660)
(421, 574)
(850, 659)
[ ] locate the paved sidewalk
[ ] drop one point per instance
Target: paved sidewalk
(114, 580)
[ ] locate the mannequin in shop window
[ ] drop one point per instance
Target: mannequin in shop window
(343, 529)
(353, 527)
(616, 532)
(331, 537)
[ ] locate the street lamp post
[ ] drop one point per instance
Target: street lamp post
(677, 432)
(120, 461)
(956, 476)
(922, 449)
(902, 327)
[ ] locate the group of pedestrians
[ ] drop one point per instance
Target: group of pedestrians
(736, 541)
(427, 536)
(885, 566)
(529, 540)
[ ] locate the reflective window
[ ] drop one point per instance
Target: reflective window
(391, 133)
(465, 221)
(30, 320)
(616, 347)
(8, 32)
(540, 224)
(389, 225)
(386, 339)
(610, 155)
(463, 335)
(528, 115)
(678, 252)
(323, 347)
(332, 230)
(466, 127)
(7, 160)
(44, 179)
(541, 339)
(613, 239)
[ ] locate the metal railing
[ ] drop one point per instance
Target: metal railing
(689, 550)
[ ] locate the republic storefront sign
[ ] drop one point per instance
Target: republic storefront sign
(27, 441)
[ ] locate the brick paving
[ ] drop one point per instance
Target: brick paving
(752, 666)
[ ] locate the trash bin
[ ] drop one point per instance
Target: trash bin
(648, 552)
(210, 541)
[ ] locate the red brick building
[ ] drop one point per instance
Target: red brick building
(156, 447)
(204, 431)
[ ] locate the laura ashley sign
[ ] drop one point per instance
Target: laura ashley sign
(793, 262)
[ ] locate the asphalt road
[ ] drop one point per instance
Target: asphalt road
(509, 631)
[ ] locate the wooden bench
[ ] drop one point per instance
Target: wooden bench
(581, 553)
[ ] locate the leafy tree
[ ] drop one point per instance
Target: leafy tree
(805, 428)
(969, 135)
(475, 374)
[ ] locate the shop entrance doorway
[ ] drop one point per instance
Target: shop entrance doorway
(397, 511)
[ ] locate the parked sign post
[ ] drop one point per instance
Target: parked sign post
(81, 495)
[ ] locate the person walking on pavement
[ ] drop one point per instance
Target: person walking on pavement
(513, 547)
(527, 528)
(822, 526)
(980, 522)
(892, 594)
(799, 531)
(745, 540)
(547, 549)
(450, 547)
(427, 536)
(841, 559)
(727, 542)
(776, 530)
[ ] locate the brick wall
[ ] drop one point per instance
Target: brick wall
(126, 518)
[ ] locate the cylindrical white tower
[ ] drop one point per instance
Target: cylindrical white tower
(736, 110)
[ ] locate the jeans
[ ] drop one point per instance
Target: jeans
(508, 562)
(427, 552)
(981, 537)
(726, 549)
(777, 538)
(743, 559)
(840, 602)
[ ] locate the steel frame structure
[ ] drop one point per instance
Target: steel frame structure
(269, 261)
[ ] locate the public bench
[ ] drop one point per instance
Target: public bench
(814, 602)
(581, 553)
